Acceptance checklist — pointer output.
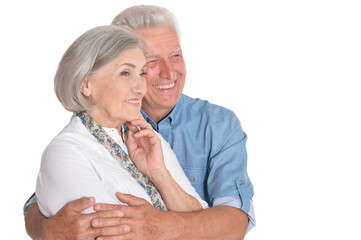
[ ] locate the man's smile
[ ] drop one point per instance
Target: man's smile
(168, 86)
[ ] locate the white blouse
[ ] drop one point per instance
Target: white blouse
(75, 165)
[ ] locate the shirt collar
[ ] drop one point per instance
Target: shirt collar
(170, 117)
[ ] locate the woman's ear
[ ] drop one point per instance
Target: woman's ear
(85, 88)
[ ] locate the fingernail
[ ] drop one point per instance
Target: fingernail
(126, 228)
(91, 200)
(95, 223)
(97, 207)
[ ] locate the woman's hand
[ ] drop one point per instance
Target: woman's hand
(145, 148)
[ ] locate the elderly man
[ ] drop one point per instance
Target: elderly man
(207, 139)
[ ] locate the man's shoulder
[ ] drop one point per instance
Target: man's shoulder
(206, 108)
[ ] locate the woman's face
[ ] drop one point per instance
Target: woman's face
(117, 89)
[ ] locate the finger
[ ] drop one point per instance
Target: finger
(132, 127)
(130, 199)
(114, 213)
(80, 204)
(126, 236)
(100, 207)
(107, 222)
(149, 133)
(141, 123)
(115, 230)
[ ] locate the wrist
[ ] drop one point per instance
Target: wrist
(159, 177)
(175, 226)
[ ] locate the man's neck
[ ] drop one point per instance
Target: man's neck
(158, 114)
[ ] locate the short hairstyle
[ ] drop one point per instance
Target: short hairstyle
(147, 16)
(85, 56)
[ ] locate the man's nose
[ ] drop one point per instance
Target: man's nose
(167, 71)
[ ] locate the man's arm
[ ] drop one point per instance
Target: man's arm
(147, 222)
(69, 223)
(33, 221)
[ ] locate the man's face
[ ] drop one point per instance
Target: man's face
(165, 70)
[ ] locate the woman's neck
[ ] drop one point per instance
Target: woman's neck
(105, 120)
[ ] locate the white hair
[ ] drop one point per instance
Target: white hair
(85, 56)
(147, 16)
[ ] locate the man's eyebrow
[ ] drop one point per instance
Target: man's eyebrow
(152, 56)
(176, 50)
(156, 55)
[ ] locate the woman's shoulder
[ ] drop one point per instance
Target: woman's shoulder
(74, 138)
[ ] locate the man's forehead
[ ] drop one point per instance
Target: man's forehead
(151, 55)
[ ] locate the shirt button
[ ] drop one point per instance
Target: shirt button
(240, 182)
(192, 178)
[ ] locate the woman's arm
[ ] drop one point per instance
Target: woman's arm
(145, 149)
(65, 175)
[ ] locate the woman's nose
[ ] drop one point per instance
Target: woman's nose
(140, 86)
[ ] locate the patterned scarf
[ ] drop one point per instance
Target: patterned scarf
(116, 151)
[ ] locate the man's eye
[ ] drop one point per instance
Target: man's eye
(152, 62)
(143, 74)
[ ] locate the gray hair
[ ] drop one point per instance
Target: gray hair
(147, 16)
(85, 56)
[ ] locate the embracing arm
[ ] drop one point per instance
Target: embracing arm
(222, 222)
(33, 221)
(147, 222)
(68, 223)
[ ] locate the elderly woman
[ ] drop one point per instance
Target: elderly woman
(108, 147)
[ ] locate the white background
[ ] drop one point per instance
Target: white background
(289, 69)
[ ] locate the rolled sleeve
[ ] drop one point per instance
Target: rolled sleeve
(237, 203)
(228, 182)
(30, 201)
(228, 170)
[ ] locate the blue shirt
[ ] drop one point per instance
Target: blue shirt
(210, 145)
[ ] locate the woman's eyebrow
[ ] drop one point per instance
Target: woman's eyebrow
(127, 64)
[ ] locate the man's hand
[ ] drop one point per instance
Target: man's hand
(69, 222)
(142, 219)
(146, 222)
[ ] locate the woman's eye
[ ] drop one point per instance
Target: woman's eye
(125, 73)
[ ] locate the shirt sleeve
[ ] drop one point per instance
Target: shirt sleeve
(172, 164)
(236, 202)
(66, 175)
(228, 175)
(30, 201)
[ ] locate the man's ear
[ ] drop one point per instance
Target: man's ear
(85, 88)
